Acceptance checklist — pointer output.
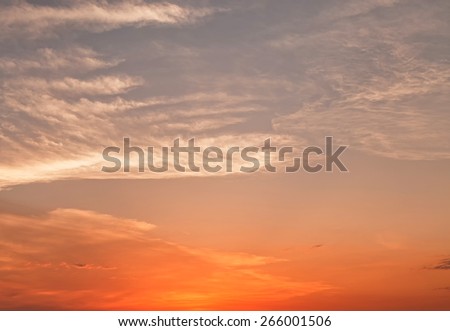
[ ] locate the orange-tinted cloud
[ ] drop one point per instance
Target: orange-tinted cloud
(73, 259)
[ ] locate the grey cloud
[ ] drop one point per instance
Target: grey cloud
(443, 264)
(444, 288)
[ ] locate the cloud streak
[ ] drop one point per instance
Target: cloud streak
(76, 259)
(73, 59)
(52, 115)
(444, 264)
(38, 21)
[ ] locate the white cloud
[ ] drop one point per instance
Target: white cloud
(36, 21)
(55, 125)
(371, 80)
(370, 84)
(100, 85)
(74, 59)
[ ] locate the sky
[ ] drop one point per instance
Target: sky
(79, 76)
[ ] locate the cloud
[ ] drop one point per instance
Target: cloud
(73, 59)
(444, 288)
(356, 71)
(76, 259)
(443, 264)
(349, 9)
(52, 114)
(100, 85)
(377, 89)
(233, 259)
(37, 21)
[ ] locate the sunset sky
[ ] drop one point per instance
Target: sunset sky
(78, 76)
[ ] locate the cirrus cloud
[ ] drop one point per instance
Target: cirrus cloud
(37, 21)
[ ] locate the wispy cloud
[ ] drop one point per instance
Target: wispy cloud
(101, 85)
(64, 108)
(135, 266)
(374, 87)
(350, 8)
(443, 264)
(36, 21)
(74, 59)
(356, 71)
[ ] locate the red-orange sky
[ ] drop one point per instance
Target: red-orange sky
(371, 239)
(82, 75)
